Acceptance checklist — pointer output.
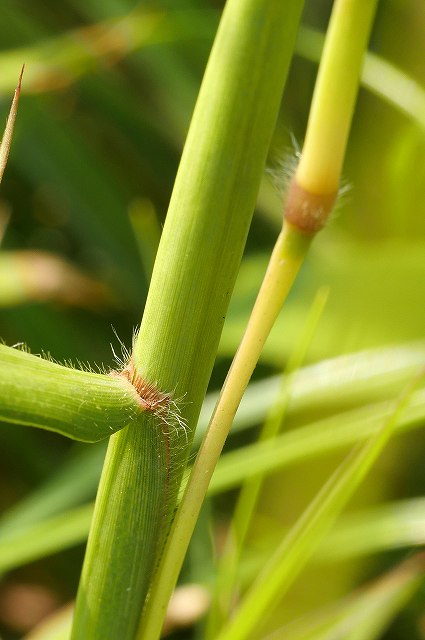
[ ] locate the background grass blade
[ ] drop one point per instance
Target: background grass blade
(327, 387)
(388, 527)
(45, 537)
(363, 615)
(77, 477)
(383, 527)
(304, 537)
(73, 483)
(330, 434)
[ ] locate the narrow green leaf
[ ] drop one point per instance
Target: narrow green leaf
(297, 547)
(77, 479)
(363, 615)
(328, 386)
(387, 527)
(392, 526)
(45, 537)
(323, 436)
(382, 528)
(74, 481)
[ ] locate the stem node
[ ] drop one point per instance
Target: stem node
(308, 211)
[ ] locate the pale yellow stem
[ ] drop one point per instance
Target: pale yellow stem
(334, 96)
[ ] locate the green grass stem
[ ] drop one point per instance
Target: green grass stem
(78, 404)
(284, 264)
(306, 211)
(334, 96)
(194, 273)
(226, 573)
(379, 76)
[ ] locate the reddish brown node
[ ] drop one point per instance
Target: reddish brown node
(308, 211)
(151, 399)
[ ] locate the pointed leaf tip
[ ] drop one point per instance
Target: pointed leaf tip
(8, 132)
(18, 88)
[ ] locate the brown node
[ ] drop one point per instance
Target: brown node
(308, 211)
(151, 399)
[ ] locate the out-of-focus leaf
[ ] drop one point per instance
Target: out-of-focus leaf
(375, 530)
(406, 178)
(56, 62)
(356, 378)
(329, 386)
(39, 276)
(305, 536)
(380, 77)
(381, 528)
(363, 615)
(45, 537)
(330, 434)
(53, 152)
(73, 482)
(60, 60)
(147, 231)
(376, 298)
(56, 627)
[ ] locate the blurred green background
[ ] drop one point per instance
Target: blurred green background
(108, 91)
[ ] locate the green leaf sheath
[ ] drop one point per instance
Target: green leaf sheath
(121, 550)
(197, 261)
(78, 404)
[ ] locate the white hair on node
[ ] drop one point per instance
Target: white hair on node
(162, 404)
